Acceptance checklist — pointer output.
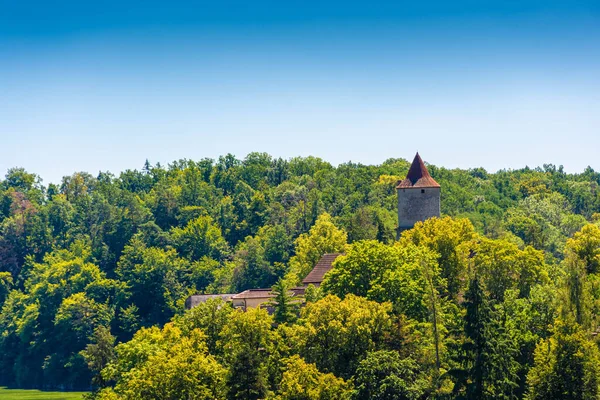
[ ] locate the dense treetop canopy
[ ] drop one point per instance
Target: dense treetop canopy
(495, 299)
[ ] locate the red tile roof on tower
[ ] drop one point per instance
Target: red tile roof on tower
(323, 266)
(418, 176)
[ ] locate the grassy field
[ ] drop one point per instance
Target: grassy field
(20, 394)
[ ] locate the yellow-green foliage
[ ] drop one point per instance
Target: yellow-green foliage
(501, 265)
(586, 245)
(335, 334)
(163, 365)
(249, 347)
(86, 263)
(6, 283)
(302, 381)
(380, 272)
(324, 237)
(450, 239)
(567, 366)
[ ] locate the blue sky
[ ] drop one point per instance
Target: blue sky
(89, 86)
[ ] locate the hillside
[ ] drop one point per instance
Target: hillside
(496, 299)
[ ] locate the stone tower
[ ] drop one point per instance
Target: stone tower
(418, 196)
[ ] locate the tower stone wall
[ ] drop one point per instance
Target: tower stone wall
(417, 204)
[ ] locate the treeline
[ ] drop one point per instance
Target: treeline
(496, 302)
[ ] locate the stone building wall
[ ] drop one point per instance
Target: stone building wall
(417, 204)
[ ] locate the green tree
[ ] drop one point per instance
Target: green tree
(164, 202)
(395, 273)
(125, 251)
(585, 244)
(184, 371)
(337, 334)
(324, 237)
(77, 318)
(164, 364)
(257, 212)
(566, 365)
(577, 302)
(247, 342)
(225, 173)
(447, 237)
(501, 265)
(476, 317)
(157, 281)
(313, 293)
(252, 270)
(286, 307)
(99, 353)
(22, 181)
(302, 381)
(201, 237)
(363, 225)
(61, 215)
(210, 317)
(276, 242)
(45, 326)
(385, 375)
(489, 352)
(6, 283)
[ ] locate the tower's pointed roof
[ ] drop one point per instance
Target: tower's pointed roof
(418, 176)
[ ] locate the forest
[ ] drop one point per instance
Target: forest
(497, 299)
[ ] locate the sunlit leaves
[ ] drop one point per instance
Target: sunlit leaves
(324, 237)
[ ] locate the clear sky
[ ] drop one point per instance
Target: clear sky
(104, 85)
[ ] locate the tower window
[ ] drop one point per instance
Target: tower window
(422, 190)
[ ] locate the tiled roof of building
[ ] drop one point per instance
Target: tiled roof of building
(254, 294)
(265, 293)
(323, 266)
(418, 176)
